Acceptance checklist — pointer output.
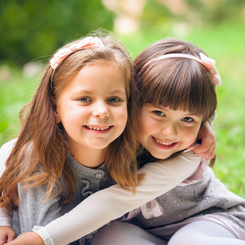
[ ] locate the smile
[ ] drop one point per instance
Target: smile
(95, 128)
(98, 129)
(164, 145)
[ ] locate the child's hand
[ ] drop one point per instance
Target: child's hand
(208, 142)
(7, 234)
(28, 238)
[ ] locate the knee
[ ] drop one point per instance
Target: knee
(111, 233)
(183, 239)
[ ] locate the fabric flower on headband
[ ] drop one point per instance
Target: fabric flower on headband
(88, 42)
(210, 65)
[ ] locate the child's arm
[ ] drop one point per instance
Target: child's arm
(113, 202)
(206, 149)
(7, 234)
(32, 208)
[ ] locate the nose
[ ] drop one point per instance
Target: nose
(169, 129)
(101, 110)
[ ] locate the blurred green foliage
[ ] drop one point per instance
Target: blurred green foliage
(217, 11)
(31, 29)
(158, 15)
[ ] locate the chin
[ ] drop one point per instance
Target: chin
(161, 156)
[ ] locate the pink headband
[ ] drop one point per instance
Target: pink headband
(88, 42)
(205, 61)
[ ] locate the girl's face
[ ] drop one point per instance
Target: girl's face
(164, 131)
(93, 108)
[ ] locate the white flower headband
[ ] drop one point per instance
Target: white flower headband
(205, 61)
(88, 42)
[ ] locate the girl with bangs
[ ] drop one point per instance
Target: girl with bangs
(176, 84)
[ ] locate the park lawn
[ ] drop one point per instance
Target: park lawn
(225, 43)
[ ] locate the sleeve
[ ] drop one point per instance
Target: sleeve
(34, 209)
(113, 202)
(5, 215)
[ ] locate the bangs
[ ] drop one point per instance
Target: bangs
(183, 85)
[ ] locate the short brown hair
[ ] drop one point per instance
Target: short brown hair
(177, 83)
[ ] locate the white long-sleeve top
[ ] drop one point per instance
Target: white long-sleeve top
(113, 202)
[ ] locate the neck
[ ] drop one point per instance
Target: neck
(90, 158)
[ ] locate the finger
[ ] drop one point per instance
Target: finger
(2, 241)
(11, 237)
(201, 149)
(12, 243)
(209, 154)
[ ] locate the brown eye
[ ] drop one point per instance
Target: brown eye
(84, 99)
(187, 119)
(159, 113)
(114, 99)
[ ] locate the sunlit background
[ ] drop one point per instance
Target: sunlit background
(31, 31)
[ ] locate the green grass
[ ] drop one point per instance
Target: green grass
(225, 43)
(15, 92)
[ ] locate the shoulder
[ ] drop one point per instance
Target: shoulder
(9, 144)
(5, 151)
(201, 170)
(7, 147)
(189, 156)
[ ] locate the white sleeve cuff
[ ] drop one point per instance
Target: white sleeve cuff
(43, 234)
(5, 222)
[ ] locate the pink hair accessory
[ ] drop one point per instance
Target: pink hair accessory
(88, 42)
(205, 61)
(210, 65)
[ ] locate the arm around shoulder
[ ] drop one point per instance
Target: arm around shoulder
(113, 202)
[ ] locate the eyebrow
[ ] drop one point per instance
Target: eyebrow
(118, 91)
(115, 91)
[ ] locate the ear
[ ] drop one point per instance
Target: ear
(57, 118)
(56, 114)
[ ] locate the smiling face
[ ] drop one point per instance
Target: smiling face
(93, 108)
(164, 131)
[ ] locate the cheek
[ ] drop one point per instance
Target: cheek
(151, 124)
(190, 134)
(69, 114)
(147, 128)
(121, 115)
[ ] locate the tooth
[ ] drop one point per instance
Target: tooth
(94, 127)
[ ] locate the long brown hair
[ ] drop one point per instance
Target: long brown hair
(177, 83)
(38, 156)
